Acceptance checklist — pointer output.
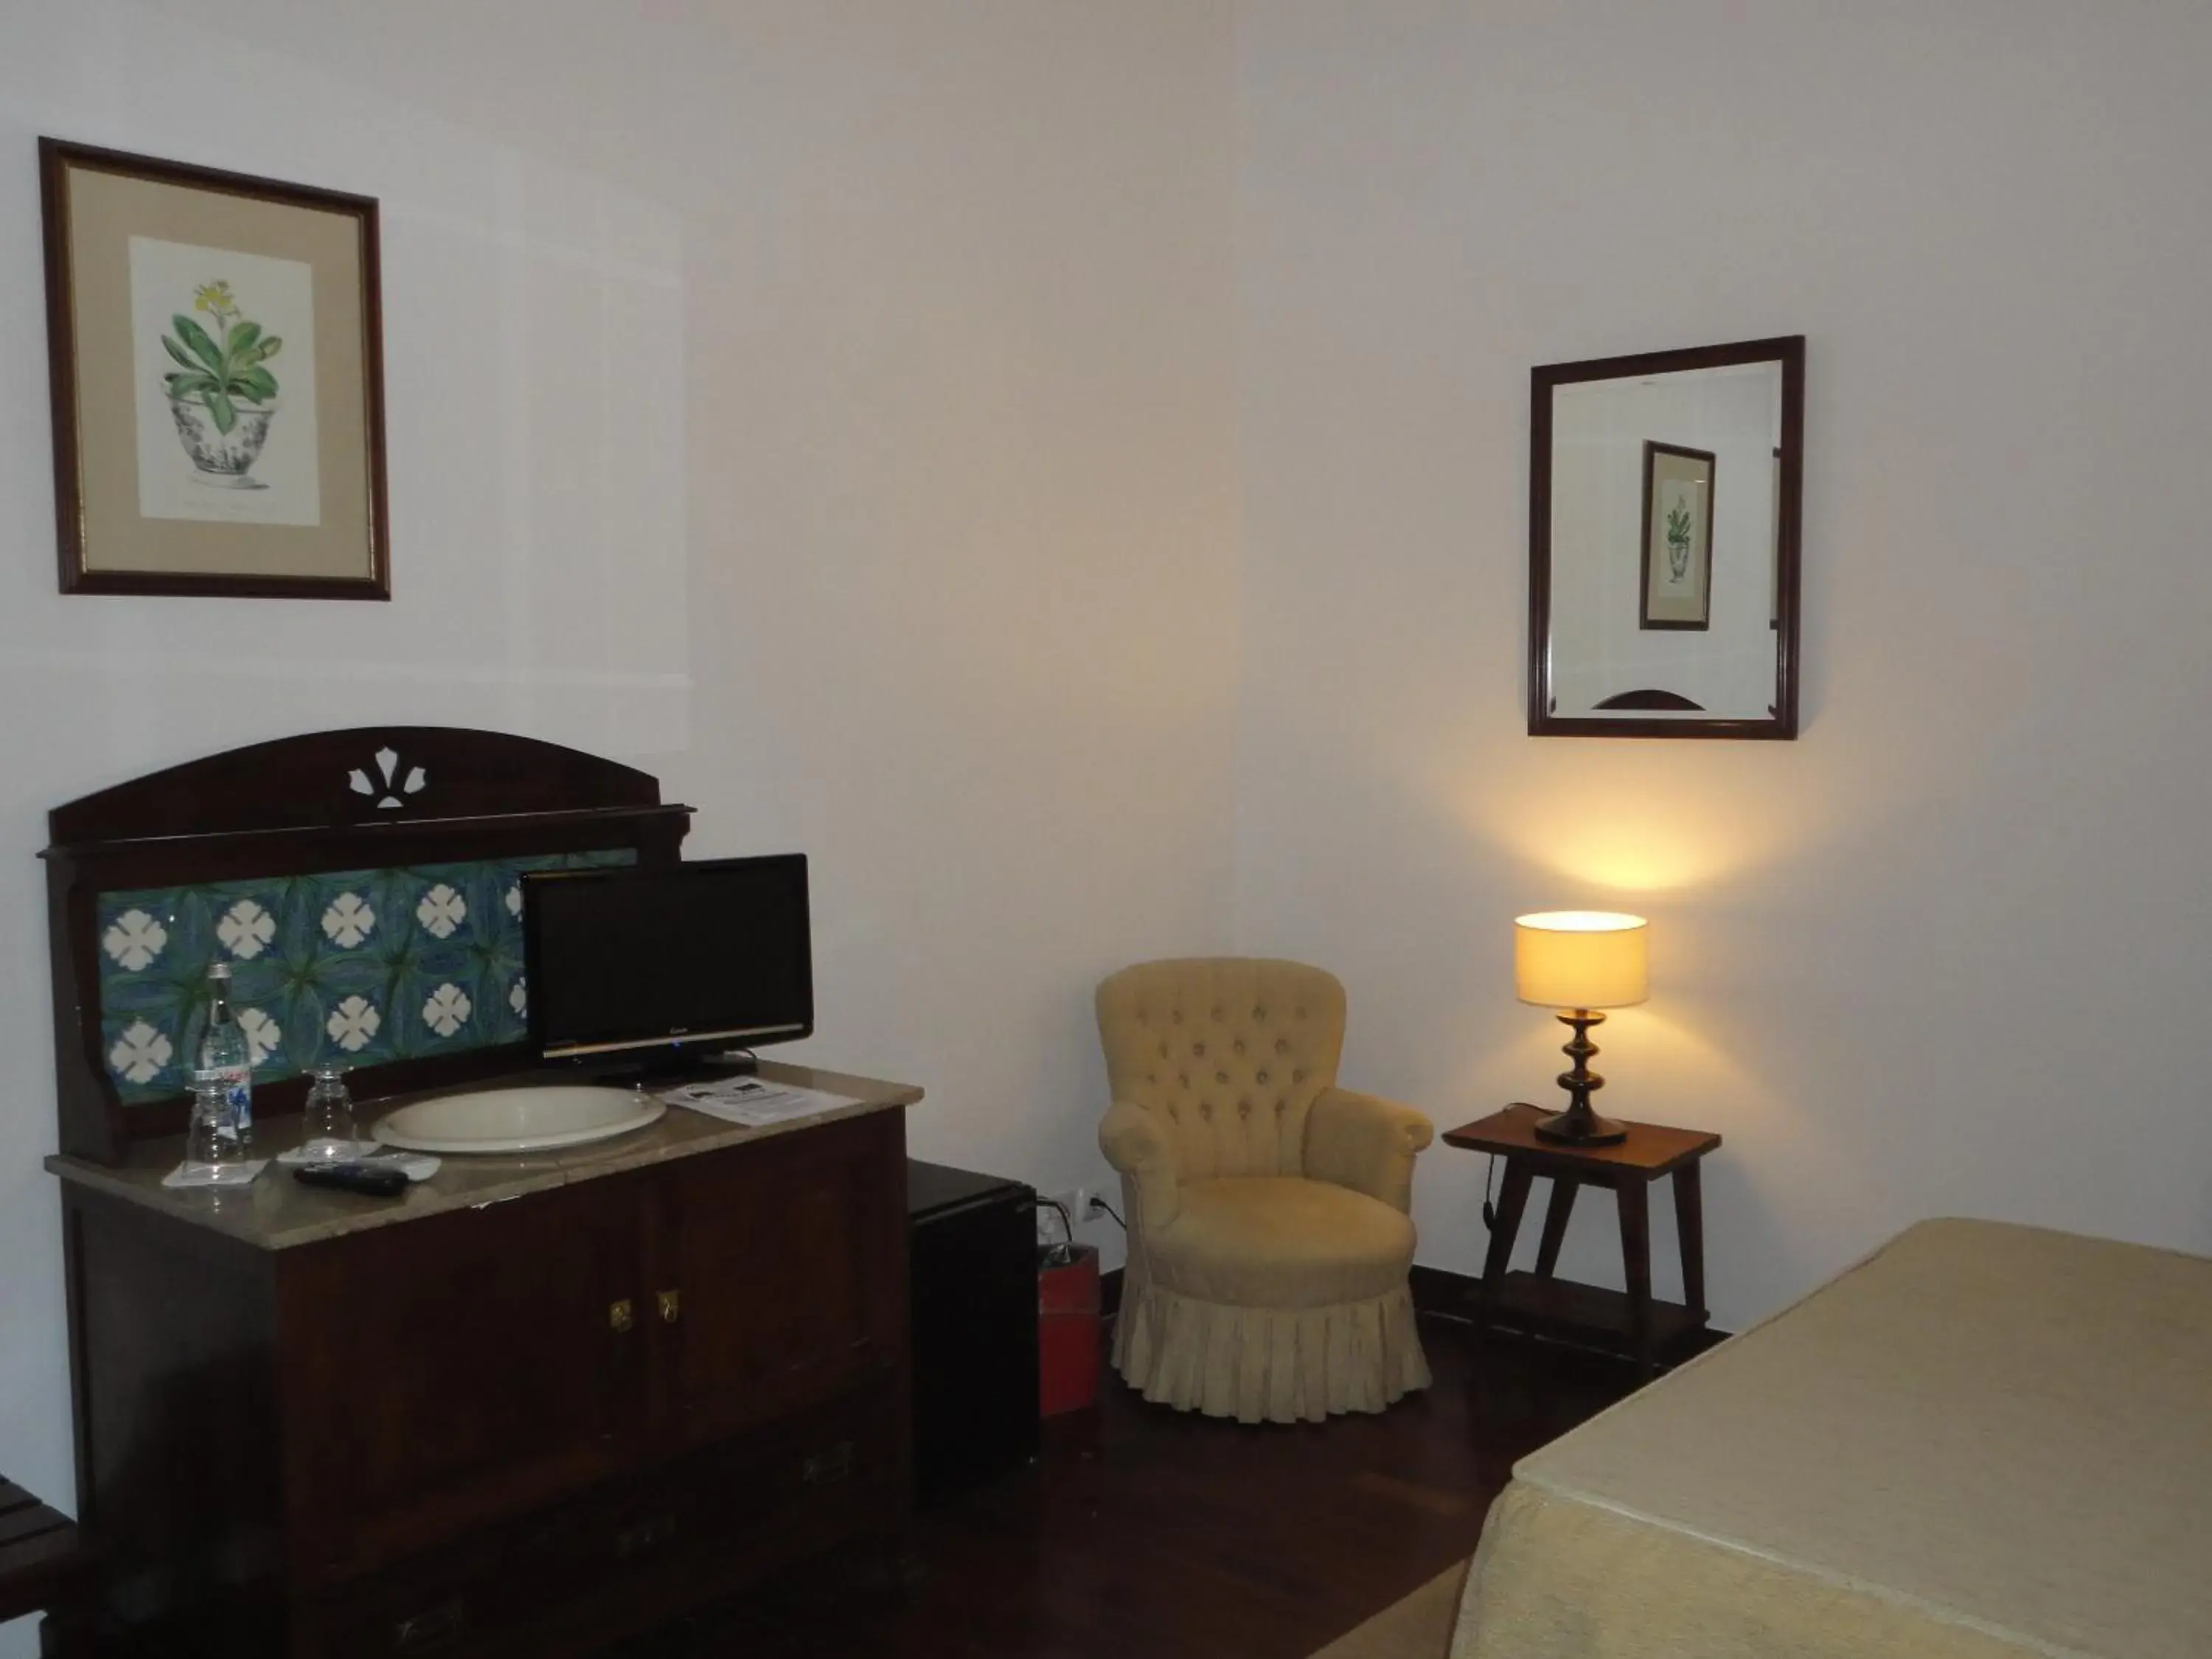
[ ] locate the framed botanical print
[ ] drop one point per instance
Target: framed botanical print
(216, 344)
(1678, 537)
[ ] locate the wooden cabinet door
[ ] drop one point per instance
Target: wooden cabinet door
(786, 1260)
(457, 1369)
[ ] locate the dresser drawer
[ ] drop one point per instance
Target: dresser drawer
(644, 1549)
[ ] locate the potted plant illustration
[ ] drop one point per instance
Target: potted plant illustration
(1678, 541)
(221, 393)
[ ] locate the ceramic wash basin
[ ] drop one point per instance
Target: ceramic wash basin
(529, 1120)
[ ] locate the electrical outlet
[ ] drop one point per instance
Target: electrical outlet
(1075, 1201)
(1084, 1205)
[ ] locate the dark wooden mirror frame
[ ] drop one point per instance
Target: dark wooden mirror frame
(1781, 722)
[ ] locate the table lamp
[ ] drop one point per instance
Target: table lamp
(1578, 961)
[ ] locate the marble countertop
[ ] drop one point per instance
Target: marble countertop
(276, 1212)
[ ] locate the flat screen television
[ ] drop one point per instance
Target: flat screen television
(686, 958)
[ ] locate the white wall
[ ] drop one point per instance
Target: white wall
(970, 318)
(829, 409)
(1946, 953)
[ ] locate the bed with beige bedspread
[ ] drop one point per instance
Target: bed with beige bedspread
(1983, 1442)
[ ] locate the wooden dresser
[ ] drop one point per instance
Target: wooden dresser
(535, 1405)
(525, 1409)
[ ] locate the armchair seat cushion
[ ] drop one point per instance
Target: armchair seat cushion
(1281, 1241)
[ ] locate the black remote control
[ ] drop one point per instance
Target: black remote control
(353, 1178)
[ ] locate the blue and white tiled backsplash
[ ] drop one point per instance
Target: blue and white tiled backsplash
(357, 966)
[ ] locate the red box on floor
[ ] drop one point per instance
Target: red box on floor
(1068, 1333)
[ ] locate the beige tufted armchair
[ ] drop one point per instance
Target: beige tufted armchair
(1269, 1238)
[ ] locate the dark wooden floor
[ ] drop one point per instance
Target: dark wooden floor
(1144, 1531)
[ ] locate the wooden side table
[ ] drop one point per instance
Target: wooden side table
(1631, 1322)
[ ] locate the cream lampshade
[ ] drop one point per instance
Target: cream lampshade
(1578, 961)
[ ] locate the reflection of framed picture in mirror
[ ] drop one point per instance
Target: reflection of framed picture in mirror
(1678, 537)
(217, 380)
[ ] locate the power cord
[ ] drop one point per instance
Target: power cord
(1111, 1211)
(1059, 1254)
(1489, 1209)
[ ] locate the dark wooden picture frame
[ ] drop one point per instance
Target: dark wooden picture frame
(230, 548)
(1780, 721)
(1700, 554)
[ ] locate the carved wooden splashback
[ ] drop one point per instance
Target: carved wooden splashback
(363, 884)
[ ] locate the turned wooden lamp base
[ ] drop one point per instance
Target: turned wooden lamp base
(1578, 1125)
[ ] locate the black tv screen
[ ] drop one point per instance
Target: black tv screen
(717, 953)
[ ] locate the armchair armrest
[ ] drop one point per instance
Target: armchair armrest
(1367, 1144)
(1137, 1147)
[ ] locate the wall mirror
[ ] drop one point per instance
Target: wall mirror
(1663, 494)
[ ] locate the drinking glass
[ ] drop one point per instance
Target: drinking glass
(330, 1137)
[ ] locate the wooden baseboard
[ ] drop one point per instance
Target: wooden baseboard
(1441, 1290)
(1560, 1311)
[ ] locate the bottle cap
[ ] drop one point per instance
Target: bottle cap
(218, 970)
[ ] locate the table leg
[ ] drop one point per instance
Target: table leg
(1635, 1257)
(1690, 1223)
(1512, 1200)
(1562, 1205)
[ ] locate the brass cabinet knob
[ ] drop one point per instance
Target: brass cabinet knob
(434, 1630)
(620, 1315)
(671, 1306)
(829, 1466)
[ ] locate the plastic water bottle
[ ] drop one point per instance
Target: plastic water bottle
(212, 1140)
(226, 1056)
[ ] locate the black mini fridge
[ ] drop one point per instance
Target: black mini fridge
(972, 1255)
